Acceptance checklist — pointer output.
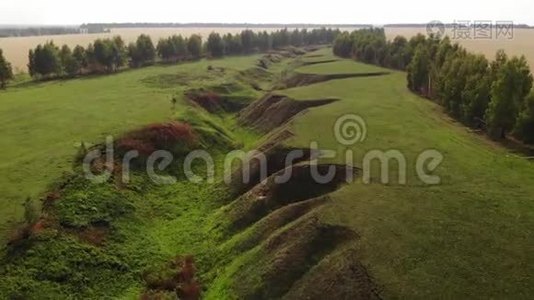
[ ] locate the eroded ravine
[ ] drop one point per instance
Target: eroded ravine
(270, 240)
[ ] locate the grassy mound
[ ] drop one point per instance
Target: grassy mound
(272, 269)
(225, 98)
(273, 111)
(275, 156)
(302, 79)
(271, 195)
(340, 276)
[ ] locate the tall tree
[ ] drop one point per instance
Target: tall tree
(343, 45)
(119, 52)
(6, 72)
(264, 41)
(513, 82)
(80, 55)
(215, 45)
(45, 61)
(142, 52)
(248, 39)
(418, 70)
(71, 66)
(180, 47)
(165, 49)
(103, 53)
(524, 127)
(194, 46)
(232, 44)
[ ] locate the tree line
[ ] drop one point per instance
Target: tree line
(49, 61)
(37, 31)
(493, 95)
(102, 56)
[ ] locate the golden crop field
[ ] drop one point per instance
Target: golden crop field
(522, 42)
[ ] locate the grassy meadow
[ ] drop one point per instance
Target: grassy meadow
(468, 237)
(43, 124)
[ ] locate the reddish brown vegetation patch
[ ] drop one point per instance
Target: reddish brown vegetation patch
(18, 235)
(209, 100)
(21, 233)
(39, 226)
(51, 198)
(94, 235)
(160, 136)
(178, 277)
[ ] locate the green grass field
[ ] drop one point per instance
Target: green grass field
(468, 237)
(42, 125)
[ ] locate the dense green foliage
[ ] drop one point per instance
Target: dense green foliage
(194, 46)
(71, 64)
(215, 45)
(173, 49)
(524, 126)
(44, 61)
(6, 72)
(108, 53)
(470, 88)
(142, 52)
(249, 41)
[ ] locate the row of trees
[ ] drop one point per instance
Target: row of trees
(177, 48)
(249, 41)
(104, 55)
(370, 46)
(109, 55)
(494, 95)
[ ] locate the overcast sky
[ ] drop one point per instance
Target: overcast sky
(272, 11)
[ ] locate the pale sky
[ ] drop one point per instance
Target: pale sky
(51, 12)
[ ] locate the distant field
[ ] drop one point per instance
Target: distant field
(16, 48)
(522, 42)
